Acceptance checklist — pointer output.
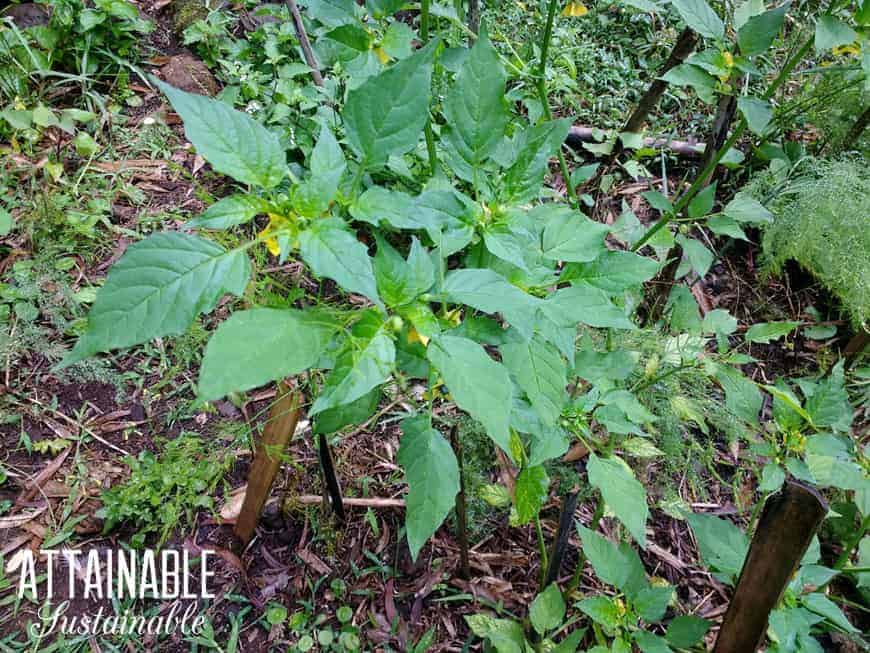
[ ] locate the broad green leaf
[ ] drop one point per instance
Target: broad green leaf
(723, 546)
(571, 236)
(505, 635)
(613, 272)
(745, 208)
(746, 10)
(379, 204)
(332, 251)
(742, 396)
(587, 304)
(157, 288)
(433, 480)
(699, 257)
(6, 222)
(756, 35)
(649, 643)
(530, 492)
(619, 566)
(398, 40)
(478, 384)
(689, 75)
(359, 368)
(758, 113)
(356, 412)
(386, 115)
(832, 32)
(622, 492)
(448, 216)
(541, 372)
(231, 141)
(602, 610)
(331, 13)
(829, 403)
(489, 292)
(723, 225)
(260, 345)
(401, 281)
(822, 605)
(476, 109)
(229, 212)
(703, 202)
(523, 179)
(698, 15)
(652, 602)
(686, 630)
(547, 610)
(772, 478)
(314, 195)
(767, 332)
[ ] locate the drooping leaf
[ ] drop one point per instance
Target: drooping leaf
(476, 109)
(488, 291)
(758, 32)
(547, 610)
(758, 113)
(652, 602)
(832, 32)
(356, 412)
(688, 75)
(530, 493)
(478, 384)
(698, 15)
(723, 546)
(332, 251)
(541, 372)
(229, 212)
(523, 179)
(260, 345)
(157, 288)
(587, 304)
(613, 272)
(433, 480)
(386, 115)
(703, 202)
(622, 492)
(687, 630)
(766, 332)
(699, 257)
(616, 565)
(745, 208)
(379, 204)
(231, 141)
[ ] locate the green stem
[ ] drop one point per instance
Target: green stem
(852, 544)
(698, 184)
(427, 130)
(542, 545)
(541, 82)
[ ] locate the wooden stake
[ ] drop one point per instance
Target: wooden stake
(560, 544)
(330, 477)
(787, 524)
(461, 515)
(280, 426)
(310, 59)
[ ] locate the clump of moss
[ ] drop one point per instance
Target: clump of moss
(821, 221)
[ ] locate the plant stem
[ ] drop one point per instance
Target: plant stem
(542, 547)
(698, 184)
(461, 518)
(427, 130)
(541, 82)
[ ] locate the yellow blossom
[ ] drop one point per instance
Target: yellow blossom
(276, 222)
(416, 336)
(851, 50)
(574, 9)
(728, 58)
(383, 57)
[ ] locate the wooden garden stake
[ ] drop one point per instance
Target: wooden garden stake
(560, 544)
(310, 59)
(330, 477)
(787, 524)
(279, 428)
(461, 515)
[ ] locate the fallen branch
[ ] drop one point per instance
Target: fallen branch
(356, 502)
(578, 135)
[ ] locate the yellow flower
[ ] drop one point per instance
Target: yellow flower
(851, 50)
(574, 9)
(416, 336)
(728, 58)
(383, 57)
(276, 222)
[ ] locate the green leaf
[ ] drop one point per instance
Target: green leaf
(530, 492)
(689, 75)
(489, 292)
(571, 236)
(702, 203)
(758, 113)
(476, 110)
(652, 602)
(831, 32)
(399, 281)
(829, 403)
(772, 478)
(613, 272)
(433, 480)
(386, 115)
(229, 212)
(757, 33)
(379, 204)
(313, 196)
(622, 492)
(505, 635)
(619, 566)
(331, 13)
(398, 39)
(745, 208)
(700, 258)
(231, 141)
(723, 546)
(541, 372)
(6, 222)
(686, 630)
(478, 384)
(332, 251)
(356, 412)
(547, 610)
(586, 304)
(358, 369)
(601, 610)
(742, 396)
(523, 179)
(157, 288)
(698, 15)
(767, 332)
(260, 345)
(723, 225)
(649, 643)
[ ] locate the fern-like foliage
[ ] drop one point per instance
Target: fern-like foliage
(822, 222)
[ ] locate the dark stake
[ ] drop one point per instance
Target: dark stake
(660, 287)
(279, 428)
(560, 544)
(461, 515)
(787, 524)
(310, 59)
(332, 486)
(719, 133)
